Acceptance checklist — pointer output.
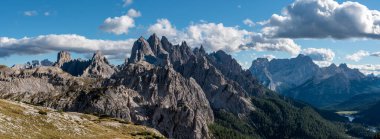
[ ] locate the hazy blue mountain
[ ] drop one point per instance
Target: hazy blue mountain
(300, 78)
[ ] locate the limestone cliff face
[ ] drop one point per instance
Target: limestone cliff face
(141, 93)
(221, 92)
(63, 57)
(99, 67)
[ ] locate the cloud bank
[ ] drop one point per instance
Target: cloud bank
(324, 19)
(319, 54)
(70, 42)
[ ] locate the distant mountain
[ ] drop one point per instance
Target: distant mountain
(283, 74)
(181, 92)
(301, 79)
(33, 64)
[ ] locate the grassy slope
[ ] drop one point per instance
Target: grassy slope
(18, 120)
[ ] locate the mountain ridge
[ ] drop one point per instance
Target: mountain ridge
(171, 88)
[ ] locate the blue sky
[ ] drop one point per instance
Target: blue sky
(31, 18)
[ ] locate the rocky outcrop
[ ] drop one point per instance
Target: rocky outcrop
(63, 57)
(99, 67)
(169, 102)
(141, 51)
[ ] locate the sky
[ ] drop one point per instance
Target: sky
(328, 31)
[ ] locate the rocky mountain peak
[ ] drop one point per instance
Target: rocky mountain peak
(99, 67)
(141, 51)
(166, 44)
(200, 51)
(303, 58)
(98, 56)
(156, 45)
(343, 66)
(63, 57)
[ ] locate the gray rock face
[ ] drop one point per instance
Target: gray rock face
(141, 51)
(283, 74)
(180, 105)
(141, 93)
(221, 92)
(99, 67)
(63, 57)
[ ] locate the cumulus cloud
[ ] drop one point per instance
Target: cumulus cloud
(216, 36)
(163, 27)
(127, 2)
(324, 19)
(70, 42)
(30, 13)
(219, 37)
(319, 54)
(358, 55)
(120, 25)
(248, 22)
(261, 43)
(367, 68)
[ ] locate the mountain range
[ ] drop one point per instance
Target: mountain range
(187, 93)
(329, 87)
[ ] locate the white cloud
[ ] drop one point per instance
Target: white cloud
(219, 37)
(120, 25)
(216, 36)
(323, 63)
(358, 55)
(324, 19)
(127, 2)
(260, 43)
(367, 68)
(30, 13)
(269, 57)
(133, 13)
(319, 54)
(248, 22)
(70, 42)
(163, 27)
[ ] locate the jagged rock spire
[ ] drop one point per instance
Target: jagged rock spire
(63, 57)
(156, 45)
(140, 51)
(99, 67)
(166, 45)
